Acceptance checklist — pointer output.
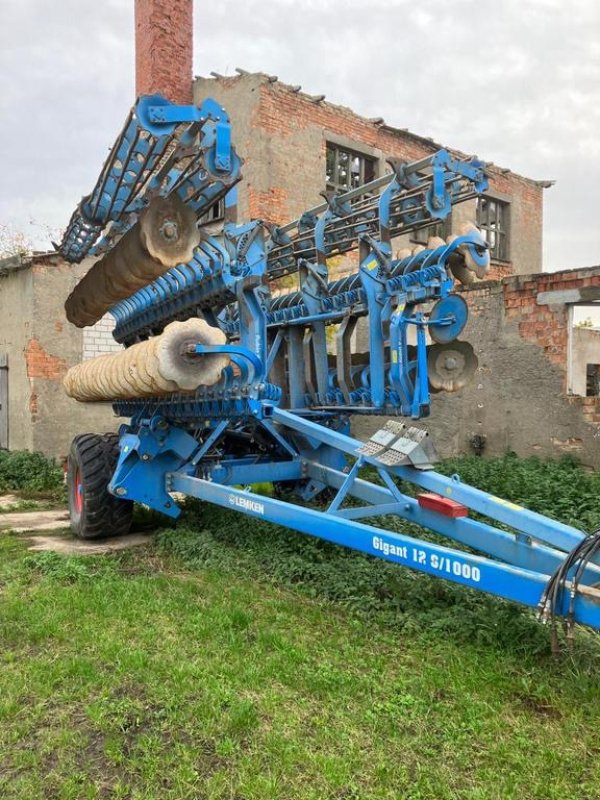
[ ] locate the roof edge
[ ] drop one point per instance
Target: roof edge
(377, 122)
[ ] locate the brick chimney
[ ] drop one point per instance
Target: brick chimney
(164, 48)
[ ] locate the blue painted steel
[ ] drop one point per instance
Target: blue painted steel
(157, 459)
(312, 244)
(522, 551)
(160, 447)
(503, 580)
(537, 526)
(394, 383)
(150, 158)
(230, 473)
(447, 319)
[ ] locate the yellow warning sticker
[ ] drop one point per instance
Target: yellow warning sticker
(372, 264)
(394, 356)
(507, 503)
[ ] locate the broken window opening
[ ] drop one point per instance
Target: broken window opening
(346, 169)
(215, 213)
(592, 380)
(493, 221)
(583, 356)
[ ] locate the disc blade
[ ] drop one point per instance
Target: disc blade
(451, 366)
(441, 329)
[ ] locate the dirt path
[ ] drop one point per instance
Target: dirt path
(78, 547)
(22, 521)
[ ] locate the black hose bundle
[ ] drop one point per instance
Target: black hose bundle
(572, 568)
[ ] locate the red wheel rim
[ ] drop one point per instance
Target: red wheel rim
(78, 489)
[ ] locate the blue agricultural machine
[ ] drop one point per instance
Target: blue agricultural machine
(272, 380)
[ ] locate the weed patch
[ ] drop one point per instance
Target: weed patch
(31, 474)
(560, 488)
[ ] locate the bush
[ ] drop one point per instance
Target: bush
(30, 473)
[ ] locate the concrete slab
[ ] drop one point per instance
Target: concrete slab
(69, 546)
(22, 521)
(7, 500)
(58, 520)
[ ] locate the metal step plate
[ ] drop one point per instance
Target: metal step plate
(397, 444)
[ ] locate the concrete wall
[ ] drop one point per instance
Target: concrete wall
(16, 324)
(58, 345)
(282, 136)
(518, 398)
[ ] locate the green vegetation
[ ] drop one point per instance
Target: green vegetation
(240, 661)
(30, 474)
(24, 505)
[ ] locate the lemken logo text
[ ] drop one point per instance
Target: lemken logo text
(246, 503)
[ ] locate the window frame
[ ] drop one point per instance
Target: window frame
(592, 379)
(353, 152)
(501, 218)
(207, 219)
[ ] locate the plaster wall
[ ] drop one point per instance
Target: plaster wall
(585, 350)
(16, 324)
(518, 398)
(56, 418)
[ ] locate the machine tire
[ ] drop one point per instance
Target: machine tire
(94, 512)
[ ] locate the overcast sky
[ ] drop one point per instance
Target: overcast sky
(516, 82)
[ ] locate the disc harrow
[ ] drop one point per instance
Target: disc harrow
(226, 380)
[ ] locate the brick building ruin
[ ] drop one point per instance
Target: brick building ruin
(536, 389)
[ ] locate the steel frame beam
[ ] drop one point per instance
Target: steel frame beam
(477, 572)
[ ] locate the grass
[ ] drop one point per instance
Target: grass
(237, 660)
(127, 677)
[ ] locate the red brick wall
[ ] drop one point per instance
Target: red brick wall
(41, 364)
(545, 325)
(281, 113)
(269, 206)
(164, 48)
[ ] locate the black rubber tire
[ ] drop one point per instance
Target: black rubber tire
(94, 512)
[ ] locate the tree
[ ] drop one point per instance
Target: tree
(13, 242)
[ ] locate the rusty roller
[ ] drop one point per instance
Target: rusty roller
(159, 366)
(165, 235)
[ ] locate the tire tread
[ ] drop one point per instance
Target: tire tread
(103, 514)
